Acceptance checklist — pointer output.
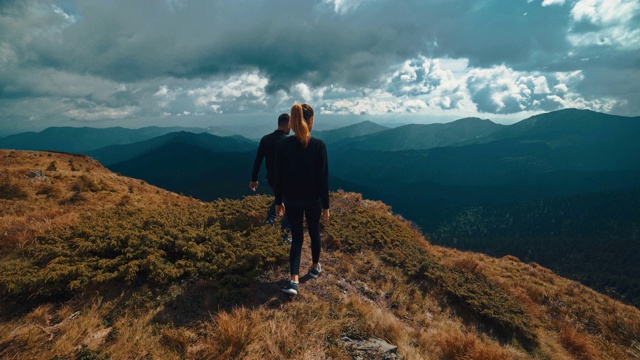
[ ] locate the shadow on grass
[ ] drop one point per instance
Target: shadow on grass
(201, 300)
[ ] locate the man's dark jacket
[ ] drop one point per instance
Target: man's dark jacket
(267, 149)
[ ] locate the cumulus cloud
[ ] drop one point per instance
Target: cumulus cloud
(504, 90)
(238, 93)
(450, 84)
(611, 23)
(100, 113)
(438, 81)
(362, 106)
(552, 2)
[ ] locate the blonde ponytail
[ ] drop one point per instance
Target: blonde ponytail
(298, 123)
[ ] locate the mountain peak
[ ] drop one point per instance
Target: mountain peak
(568, 123)
(362, 128)
(113, 154)
(471, 119)
(427, 136)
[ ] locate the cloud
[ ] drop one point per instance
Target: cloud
(608, 23)
(424, 84)
(204, 38)
(86, 59)
(343, 6)
(100, 113)
(503, 91)
(362, 106)
(238, 93)
(438, 81)
(552, 2)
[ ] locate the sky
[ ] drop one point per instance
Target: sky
(213, 62)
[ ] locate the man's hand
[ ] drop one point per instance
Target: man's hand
(253, 185)
(280, 210)
(325, 214)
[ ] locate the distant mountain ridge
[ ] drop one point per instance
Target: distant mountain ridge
(544, 144)
(422, 137)
(567, 126)
(192, 170)
(118, 153)
(208, 174)
(347, 132)
(83, 139)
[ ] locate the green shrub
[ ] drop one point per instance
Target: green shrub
(136, 246)
(484, 299)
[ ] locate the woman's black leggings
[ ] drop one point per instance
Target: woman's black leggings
(295, 215)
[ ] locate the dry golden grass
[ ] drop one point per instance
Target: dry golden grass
(575, 321)
(231, 333)
(465, 262)
(57, 195)
(578, 343)
(459, 344)
(134, 337)
(47, 332)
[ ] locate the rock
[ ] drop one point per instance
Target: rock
(371, 349)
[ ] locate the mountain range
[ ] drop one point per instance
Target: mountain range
(422, 137)
(349, 132)
(83, 139)
(471, 183)
(118, 153)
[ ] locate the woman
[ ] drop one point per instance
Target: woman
(302, 183)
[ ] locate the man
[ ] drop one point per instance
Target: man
(267, 149)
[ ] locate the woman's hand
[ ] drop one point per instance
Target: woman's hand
(253, 185)
(325, 214)
(280, 210)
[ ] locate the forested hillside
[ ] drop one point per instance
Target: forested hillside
(593, 238)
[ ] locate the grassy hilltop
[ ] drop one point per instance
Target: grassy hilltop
(94, 265)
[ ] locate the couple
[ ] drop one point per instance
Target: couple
(298, 173)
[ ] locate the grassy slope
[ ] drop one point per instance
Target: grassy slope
(98, 266)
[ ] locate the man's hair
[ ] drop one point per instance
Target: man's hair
(283, 119)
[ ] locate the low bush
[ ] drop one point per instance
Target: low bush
(136, 246)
